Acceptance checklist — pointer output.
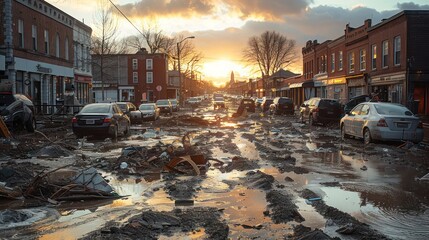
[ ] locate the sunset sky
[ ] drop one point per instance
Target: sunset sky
(223, 27)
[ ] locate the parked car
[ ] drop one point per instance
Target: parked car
(282, 105)
(146, 111)
(320, 110)
(193, 101)
(258, 102)
(105, 119)
(265, 104)
(218, 102)
(355, 101)
(164, 106)
(127, 107)
(17, 111)
(381, 121)
(248, 104)
(174, 104)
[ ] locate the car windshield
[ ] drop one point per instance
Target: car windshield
(329, 103)
(162, 102)
(218, 99)
(122, 106)
(6, 100)
(96, 108)
(146, 107)
(391, 109)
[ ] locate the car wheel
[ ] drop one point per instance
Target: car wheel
(31, 125)
(115, 132)
(127, 130)
(367, 139)
(310, 120)
(343, 132)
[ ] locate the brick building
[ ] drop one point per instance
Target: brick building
(389, 58)
(37, 42)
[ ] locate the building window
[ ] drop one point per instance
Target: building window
(88, 60)
(362, 56)
(397, 50)
(57, 46)
(149, 64)
(82, 57)
(135, 64)
(76, 55)
(46, 42)
(135, 77)
(149, 77)
(340, 61)
(66, 48)
(385, 54)
(374, 57)
(351, 62)
(333, 62)
(21, 33)
(34, 36)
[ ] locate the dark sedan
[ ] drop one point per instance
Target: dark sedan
(164, 106)
(101, 119)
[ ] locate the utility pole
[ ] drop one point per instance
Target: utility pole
(181, 95)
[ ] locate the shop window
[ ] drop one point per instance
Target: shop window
(385, 54)
(397, 50)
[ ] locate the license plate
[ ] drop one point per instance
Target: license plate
(90, 121)
(402, 125)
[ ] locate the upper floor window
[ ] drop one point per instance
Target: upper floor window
(149, 64)
(21, 33)
(333, 62)
(34, 36)
(57, 46)
(46, 35)
(385, 59)
(340, 61)
(66, 48)
(351, 62)
(149, 77)
(374, 57)
(135, 64)
(362, 58)
(135, 77)
(397, 50)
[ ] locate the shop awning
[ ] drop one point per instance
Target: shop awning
(295, 85)
(308, 84)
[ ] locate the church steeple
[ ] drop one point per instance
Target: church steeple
(232, 80)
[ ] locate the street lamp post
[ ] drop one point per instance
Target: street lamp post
(180, 73)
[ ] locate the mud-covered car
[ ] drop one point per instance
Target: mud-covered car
(218, 102)
(164, 106)
(320, 111)
(126, 107)
(282, 105)
(101, 119)
(17, 111)
(146, 111)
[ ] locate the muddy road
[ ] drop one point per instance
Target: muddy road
(263, 177)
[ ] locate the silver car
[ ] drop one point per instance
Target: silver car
(146, 111)
(381, 121)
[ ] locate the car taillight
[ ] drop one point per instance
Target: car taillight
(74, 120)
(420, 125)
(107, 120)
(382, 123)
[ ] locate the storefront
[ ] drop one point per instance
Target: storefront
(390, 88)
(356, 86)
(337, 89)
(321, 89)
(44, 83)
(82, 88)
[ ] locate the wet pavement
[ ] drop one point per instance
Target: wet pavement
(267, 176)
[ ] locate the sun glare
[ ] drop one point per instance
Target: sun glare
(222, 69)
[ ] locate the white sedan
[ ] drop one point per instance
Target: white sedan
(381, 121)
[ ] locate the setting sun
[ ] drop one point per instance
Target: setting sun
(220, 71)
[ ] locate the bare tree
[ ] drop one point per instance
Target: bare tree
(104, 40)
(269, 52)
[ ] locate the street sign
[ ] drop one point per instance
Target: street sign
(158, 88)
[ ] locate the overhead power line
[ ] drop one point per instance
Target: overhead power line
(125, 16)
